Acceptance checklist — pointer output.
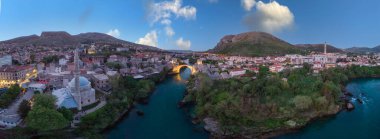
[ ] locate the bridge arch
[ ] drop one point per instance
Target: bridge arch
(177, 69)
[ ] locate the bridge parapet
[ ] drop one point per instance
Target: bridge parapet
(176, 69)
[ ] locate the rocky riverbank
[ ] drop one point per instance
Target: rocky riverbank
(272, 104)
(213, 127)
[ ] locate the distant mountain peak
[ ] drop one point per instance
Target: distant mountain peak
(54, 33)
(254, 44)
(62, 38)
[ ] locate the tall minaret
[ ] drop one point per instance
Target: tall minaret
(325, 48)
(76, 76)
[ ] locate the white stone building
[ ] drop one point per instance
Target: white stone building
(237, 72)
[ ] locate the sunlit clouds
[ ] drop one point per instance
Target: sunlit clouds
(150, 39)
(165, 12)
(114, 33)
(269, 17)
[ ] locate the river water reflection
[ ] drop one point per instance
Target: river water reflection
(162, 118)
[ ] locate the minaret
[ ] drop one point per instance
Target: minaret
(76, 76)
(325, 48)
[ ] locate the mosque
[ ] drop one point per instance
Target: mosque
(78, 92)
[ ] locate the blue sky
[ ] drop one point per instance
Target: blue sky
(198, 24)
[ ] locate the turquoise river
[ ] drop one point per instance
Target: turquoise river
(164, 120)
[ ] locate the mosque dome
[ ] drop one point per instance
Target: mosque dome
(83, 82)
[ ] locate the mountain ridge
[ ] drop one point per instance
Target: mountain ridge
(265, 44)
(62, 38)
(254, 44)
(363, 50)
(320, 48)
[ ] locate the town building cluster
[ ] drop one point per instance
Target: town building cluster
(75, 82)
(223, 67)
(76, 75)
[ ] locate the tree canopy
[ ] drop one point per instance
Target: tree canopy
(10, 95)
(44, 100)
(45, 119)
(267, 102)
(24, 108)
(44, 116)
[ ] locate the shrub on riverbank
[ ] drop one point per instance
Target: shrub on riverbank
(272, 101)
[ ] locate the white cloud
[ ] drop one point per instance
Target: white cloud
(167, 9)
(169, 31)
(114, 32)
(150, 39)
(166, 22)
(248, 4)
(187, 12)
(270, 17)
(183, 44)
(164, 12)
(0, 6)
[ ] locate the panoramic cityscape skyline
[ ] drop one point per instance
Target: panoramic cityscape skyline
(197, 25)
(119, 69)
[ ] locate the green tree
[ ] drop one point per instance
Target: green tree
(24, 108)
(50, 59)
(263, 71)
(307, 67)
(114, 65)
(45, 100)
(330, 90)
(14, 89)
(321, 103)
(8, 97)
(68, 114)
(144, 88)
(36, 92)
(271, 100)
(302, 102)
(45, 119)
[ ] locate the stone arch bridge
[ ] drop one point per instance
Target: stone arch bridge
(176, 69)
